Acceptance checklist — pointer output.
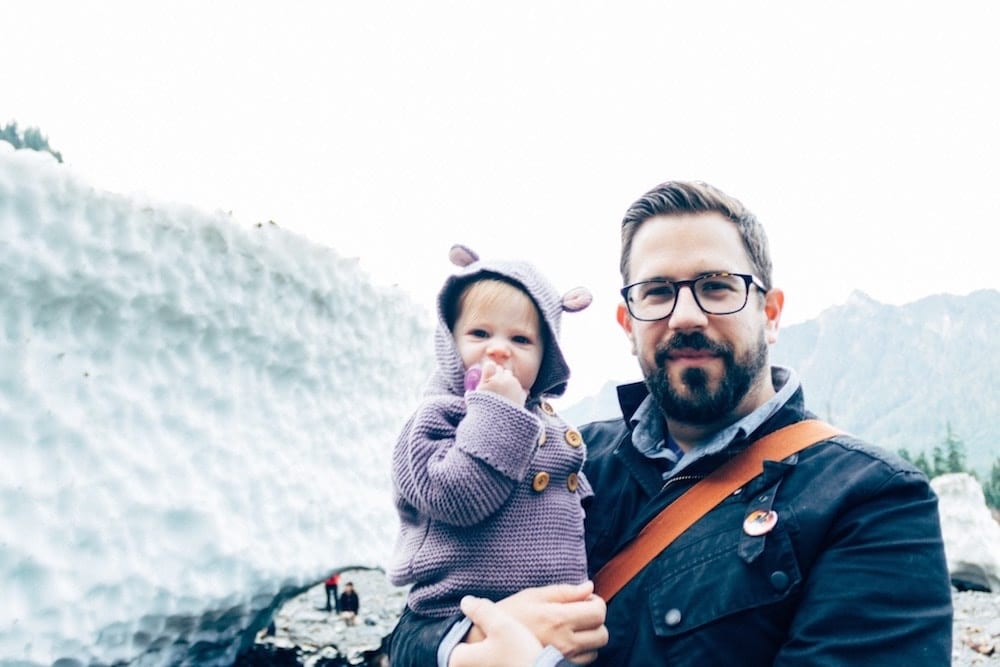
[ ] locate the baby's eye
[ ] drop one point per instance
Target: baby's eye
(522, 340)
(479, 333)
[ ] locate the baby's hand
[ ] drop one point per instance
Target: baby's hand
(499, 380)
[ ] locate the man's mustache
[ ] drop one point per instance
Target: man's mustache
(689, 341)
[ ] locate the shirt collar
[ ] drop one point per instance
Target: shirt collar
(650, 438)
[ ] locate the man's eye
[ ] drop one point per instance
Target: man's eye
(658, 293)
(717, 286)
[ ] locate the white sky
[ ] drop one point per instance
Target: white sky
(865, 135)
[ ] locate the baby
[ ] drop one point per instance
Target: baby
(488, 480)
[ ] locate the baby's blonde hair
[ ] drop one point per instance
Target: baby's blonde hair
(484, 294)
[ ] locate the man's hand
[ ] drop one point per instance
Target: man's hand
(570, 618)
(507, 642)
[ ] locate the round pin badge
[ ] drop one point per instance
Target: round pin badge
(760, 522)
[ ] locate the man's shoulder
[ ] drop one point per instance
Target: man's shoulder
(848, 454)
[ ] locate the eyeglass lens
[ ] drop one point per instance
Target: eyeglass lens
(715, 294)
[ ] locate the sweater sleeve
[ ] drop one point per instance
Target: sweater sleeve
(458, 464)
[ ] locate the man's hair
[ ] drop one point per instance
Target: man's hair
(682, 197)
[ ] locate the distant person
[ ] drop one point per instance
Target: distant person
(331, 591)
(831, 556)
(488, 478)
(349, 603)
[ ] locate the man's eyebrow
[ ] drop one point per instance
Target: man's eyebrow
(700, 274)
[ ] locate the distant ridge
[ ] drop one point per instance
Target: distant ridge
(894, 375)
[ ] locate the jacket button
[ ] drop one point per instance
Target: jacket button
(573, 481)
(541, 438)
(540, 481)
(672, 617)
(779, 580)
(574, 438)
(547, 408)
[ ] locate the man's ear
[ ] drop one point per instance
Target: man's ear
(774, 301)
(625, 322)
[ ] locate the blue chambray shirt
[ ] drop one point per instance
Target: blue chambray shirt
(649, 439)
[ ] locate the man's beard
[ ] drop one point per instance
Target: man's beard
(698, 404)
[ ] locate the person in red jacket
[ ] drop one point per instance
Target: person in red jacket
(331, 590)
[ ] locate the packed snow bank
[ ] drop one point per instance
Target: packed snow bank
(194, 414)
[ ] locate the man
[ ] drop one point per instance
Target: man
(349, 603)
(847, 569)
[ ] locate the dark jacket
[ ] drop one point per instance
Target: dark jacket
(349, 601)
(853, 573)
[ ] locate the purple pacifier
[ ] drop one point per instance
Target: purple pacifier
(473, 376)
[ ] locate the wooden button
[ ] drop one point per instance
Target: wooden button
(540, 482)
(574, 438)
(541, 438)
(573, 481)
(547, 408)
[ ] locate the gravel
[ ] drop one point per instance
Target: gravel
(976, 631)
(320, 634)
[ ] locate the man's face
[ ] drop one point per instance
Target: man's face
(702, 369)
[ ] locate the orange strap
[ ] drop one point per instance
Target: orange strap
(681, 514)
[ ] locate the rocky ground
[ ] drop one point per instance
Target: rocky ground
(976, 635)
(320, 638)
(308, 635)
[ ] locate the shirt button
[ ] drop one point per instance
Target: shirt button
(779, 580)
(672, 617)
(547, 408)
(573, 481)
(540, 481)
(574, 438)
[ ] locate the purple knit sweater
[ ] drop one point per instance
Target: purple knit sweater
(488, 492)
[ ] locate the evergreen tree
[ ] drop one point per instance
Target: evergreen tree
(32, 138)
(992, 487)
(939, 463)
(922, 465)
(954, 452)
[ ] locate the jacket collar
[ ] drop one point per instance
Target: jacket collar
(630, 397)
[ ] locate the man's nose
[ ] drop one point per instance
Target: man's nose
(687, 313)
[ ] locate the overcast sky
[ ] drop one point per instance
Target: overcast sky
(865, 135)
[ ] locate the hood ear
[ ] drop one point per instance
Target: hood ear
(461, 255)
(576, 299)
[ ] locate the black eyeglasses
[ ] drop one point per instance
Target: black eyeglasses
(715, 294)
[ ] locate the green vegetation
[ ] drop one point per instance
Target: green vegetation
(31, 138)
(991, 489)
(949, 457)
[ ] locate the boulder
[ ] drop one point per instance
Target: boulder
(971, 535)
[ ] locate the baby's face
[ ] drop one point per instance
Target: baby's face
(504, 330)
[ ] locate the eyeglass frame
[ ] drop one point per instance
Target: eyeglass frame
(748, 280)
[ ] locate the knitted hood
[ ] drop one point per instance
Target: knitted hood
(553, 372)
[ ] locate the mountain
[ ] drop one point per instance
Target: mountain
(897, 376)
